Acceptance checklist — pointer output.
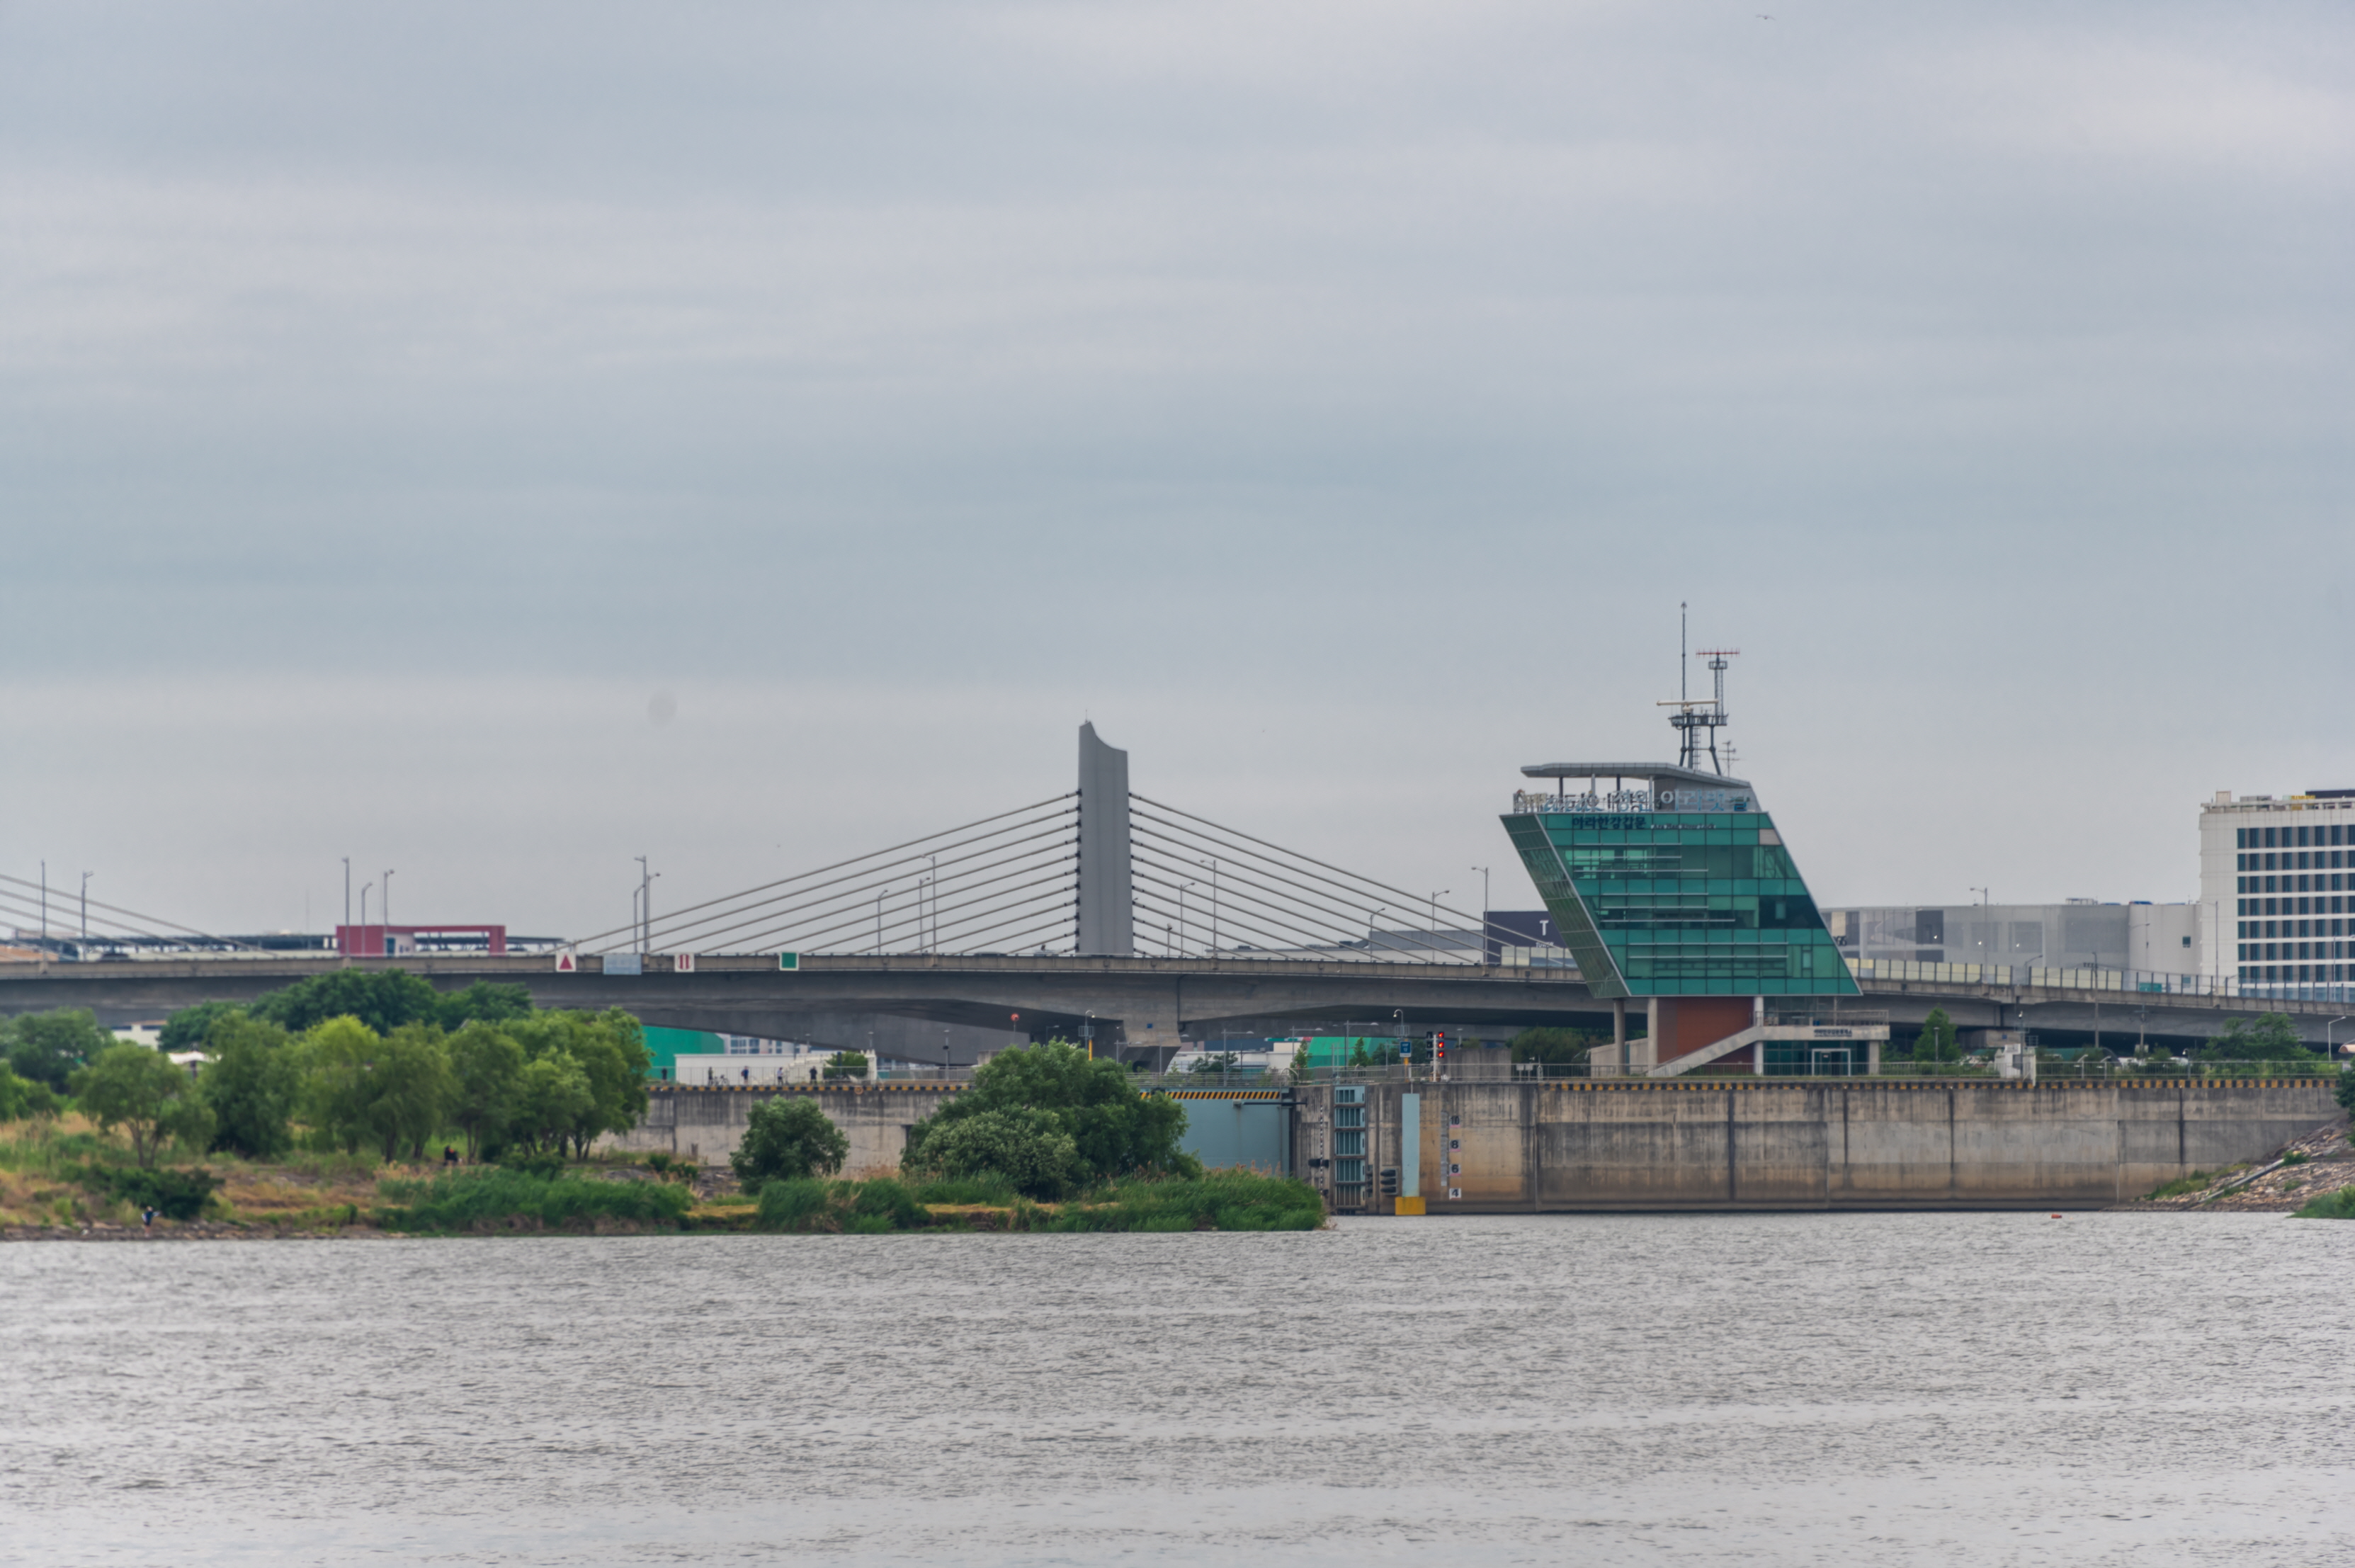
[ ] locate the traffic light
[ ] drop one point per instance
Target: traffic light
(1439, 1044)
(1389, 1182)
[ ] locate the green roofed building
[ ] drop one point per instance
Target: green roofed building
(1672, 889)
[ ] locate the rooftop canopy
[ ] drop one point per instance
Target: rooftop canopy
(1668, 771)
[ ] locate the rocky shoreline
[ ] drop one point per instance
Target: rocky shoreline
(2278, 1185)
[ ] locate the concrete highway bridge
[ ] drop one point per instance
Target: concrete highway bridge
(948, 1008)
(1101, 914)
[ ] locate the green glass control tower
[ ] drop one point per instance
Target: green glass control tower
(1672, 887)
(1672, 882)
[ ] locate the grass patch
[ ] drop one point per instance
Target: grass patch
(504, 1200)
(2196, 1181)
(1220, 1201)
(2338, 1205)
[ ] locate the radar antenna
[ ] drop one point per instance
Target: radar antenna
(1698, 720)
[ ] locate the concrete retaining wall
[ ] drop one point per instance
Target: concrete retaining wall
(1969, 1145)
(706, 1125)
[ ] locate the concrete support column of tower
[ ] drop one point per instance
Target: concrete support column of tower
(1643, 1055)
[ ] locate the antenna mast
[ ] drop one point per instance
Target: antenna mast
(1697, 721)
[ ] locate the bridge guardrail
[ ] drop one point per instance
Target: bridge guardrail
(2130, 982)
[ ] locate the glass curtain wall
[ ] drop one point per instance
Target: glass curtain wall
(1666, 904)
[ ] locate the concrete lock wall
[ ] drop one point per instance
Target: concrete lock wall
(706, 1125)
(1492, 1147)
(1251, 1128)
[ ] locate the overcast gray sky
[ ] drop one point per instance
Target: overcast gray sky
(1332, 402)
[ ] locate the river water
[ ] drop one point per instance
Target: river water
(1876, 1390)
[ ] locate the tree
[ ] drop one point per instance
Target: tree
(2345, 1090)
(552, 1099)
(1937, 1043)
(1115, 1131)
(845, 1064)
(2270, 1038)
(49, 1048)
(1553, 1047)
(610, 1048)
(138, 1089)
(483, 1002)
(21, 1097)
(383, 999)
(187, 1029)
(486, 1073)
(367, 1089)
(788, 1139)
(249, 1085)
(1218, 1061)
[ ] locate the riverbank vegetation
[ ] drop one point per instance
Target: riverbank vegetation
(325, 1105)
(1215, 1200)
(2338, 1205)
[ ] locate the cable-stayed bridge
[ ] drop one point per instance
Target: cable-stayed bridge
(1101, 913)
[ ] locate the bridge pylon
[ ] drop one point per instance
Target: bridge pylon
(1106, 922)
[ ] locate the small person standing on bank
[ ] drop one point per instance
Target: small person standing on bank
(147, 1218)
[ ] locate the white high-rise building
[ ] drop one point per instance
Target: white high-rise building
(2277, 880)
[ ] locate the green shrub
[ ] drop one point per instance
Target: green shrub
(462, 1200)
(175, 1194)
(2338, 1205)
(787, 1139)
(2295, 1157)
(1028, 1150)
(1053, 1119)
(544, 1166)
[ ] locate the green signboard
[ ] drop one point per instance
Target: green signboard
(789, 960)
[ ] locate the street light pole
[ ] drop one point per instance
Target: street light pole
(2330, 1052)
(85, 908)
(384, 906)
(1431, 937)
